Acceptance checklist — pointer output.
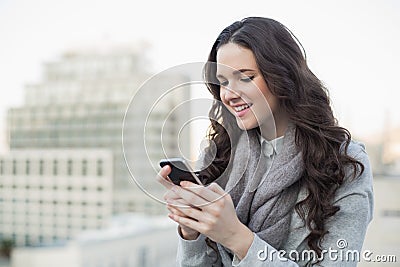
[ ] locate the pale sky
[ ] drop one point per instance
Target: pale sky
(353, 46)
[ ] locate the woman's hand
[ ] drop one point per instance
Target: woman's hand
(173, 200)
(212, 213)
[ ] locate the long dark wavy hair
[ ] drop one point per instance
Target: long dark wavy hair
(304, 97)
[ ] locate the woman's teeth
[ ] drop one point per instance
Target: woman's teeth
(242, 107)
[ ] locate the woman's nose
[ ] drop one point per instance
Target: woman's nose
(230, 93)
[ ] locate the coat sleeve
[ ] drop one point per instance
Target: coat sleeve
(196, 253)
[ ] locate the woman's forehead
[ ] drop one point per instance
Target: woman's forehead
(233, 59)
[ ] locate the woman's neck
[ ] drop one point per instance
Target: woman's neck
(270, 131)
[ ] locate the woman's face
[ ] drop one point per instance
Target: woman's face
(243, 89)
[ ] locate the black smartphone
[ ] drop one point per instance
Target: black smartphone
(180, 171)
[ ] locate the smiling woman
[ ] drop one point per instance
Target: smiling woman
(286, 177)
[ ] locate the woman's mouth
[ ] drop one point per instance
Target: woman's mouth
(242, 109)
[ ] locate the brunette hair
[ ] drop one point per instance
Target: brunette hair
(304, 97)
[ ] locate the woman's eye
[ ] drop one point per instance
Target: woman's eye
(247, 79)
(223, 83)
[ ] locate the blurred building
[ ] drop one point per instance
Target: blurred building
(138, 240)
(384, 149)
(65, 171)
(80, 103)
(391, 152)
(48, 195)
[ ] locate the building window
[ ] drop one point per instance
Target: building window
(99, 167)
(27, 240)
(14, 167)
(41, 167)
(14, 238)
(1, 166)
(142, 257)
(84, 167)
(391, 213)
(55, 167)
(69, 167)
(27, 166)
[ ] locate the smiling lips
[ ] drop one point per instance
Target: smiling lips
(242, 109)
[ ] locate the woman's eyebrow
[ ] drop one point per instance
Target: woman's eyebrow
(236, 72)
(241, 71)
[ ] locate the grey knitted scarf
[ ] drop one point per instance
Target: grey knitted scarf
(264, 199)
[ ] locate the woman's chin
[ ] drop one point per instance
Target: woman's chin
(244, 125)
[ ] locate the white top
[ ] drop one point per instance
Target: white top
(273, 147)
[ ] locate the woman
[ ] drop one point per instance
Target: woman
(287, 186)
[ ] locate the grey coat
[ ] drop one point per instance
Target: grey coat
(343, 243)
